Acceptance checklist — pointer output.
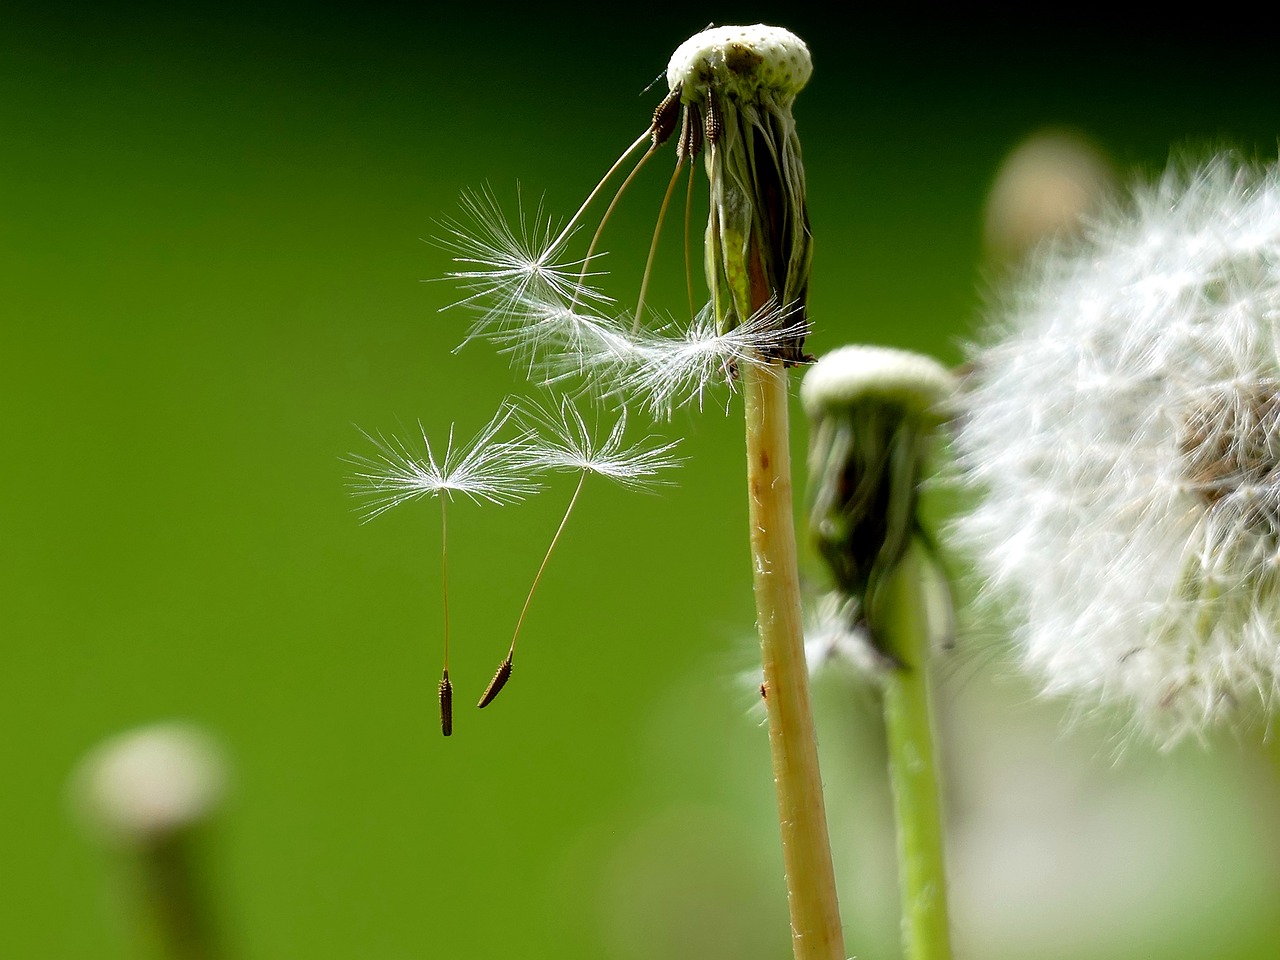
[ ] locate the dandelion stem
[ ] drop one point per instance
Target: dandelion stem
(179, 913)
(912, 768)
(815, 917)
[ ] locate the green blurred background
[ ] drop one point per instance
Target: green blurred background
(212, 226)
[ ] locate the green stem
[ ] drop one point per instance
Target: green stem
(806, 850)
(175, 905)
(912, 766)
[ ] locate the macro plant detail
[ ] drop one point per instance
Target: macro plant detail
(731, 91)
(1121, 429)
(566, 444)
(501, 472)
(874, 414)
(483, 469)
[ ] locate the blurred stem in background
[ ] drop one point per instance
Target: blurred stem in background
(147, 795)
(874, 412)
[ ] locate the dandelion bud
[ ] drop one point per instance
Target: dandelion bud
(1123, 429)
(743, 80)
(873, 413)
(144, 786)
(1044, 189)
(146, 794)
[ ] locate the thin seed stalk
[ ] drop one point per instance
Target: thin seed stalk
(912, 767)
(816, 933)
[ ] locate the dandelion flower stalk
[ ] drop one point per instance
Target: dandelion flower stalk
(874, 413)
(743, 81)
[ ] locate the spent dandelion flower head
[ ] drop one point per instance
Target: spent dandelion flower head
(1121, 430)
(740, 83)
(731, 90)
(564, 442)
(483, 468)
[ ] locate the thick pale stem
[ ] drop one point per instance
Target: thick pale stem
(912, 767)
(811, 891)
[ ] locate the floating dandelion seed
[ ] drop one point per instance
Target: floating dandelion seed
(483, 469)
(564, 443)
(511, 271)
(1123, 427)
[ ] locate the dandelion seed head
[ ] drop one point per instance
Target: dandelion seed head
(915, 384)
(873, 415)
(1121, 428)
(742, 60)
(482, 469)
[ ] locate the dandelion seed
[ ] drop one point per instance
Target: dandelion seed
(505, 267)
(1122, 428)
(672, 371)
(483, 469)
(564, 443)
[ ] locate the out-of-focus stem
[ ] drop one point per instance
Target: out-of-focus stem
(912, 768)
(811, 891)
(175, 906)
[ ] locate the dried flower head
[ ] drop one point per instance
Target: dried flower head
(731, 92)
(1123, 428)
(741, 82)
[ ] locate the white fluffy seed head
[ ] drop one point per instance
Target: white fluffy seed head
(146, 785)
(741, 61)
(1122, 429)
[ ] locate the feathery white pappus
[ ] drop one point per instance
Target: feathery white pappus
(1122, 428)
(730, 101)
